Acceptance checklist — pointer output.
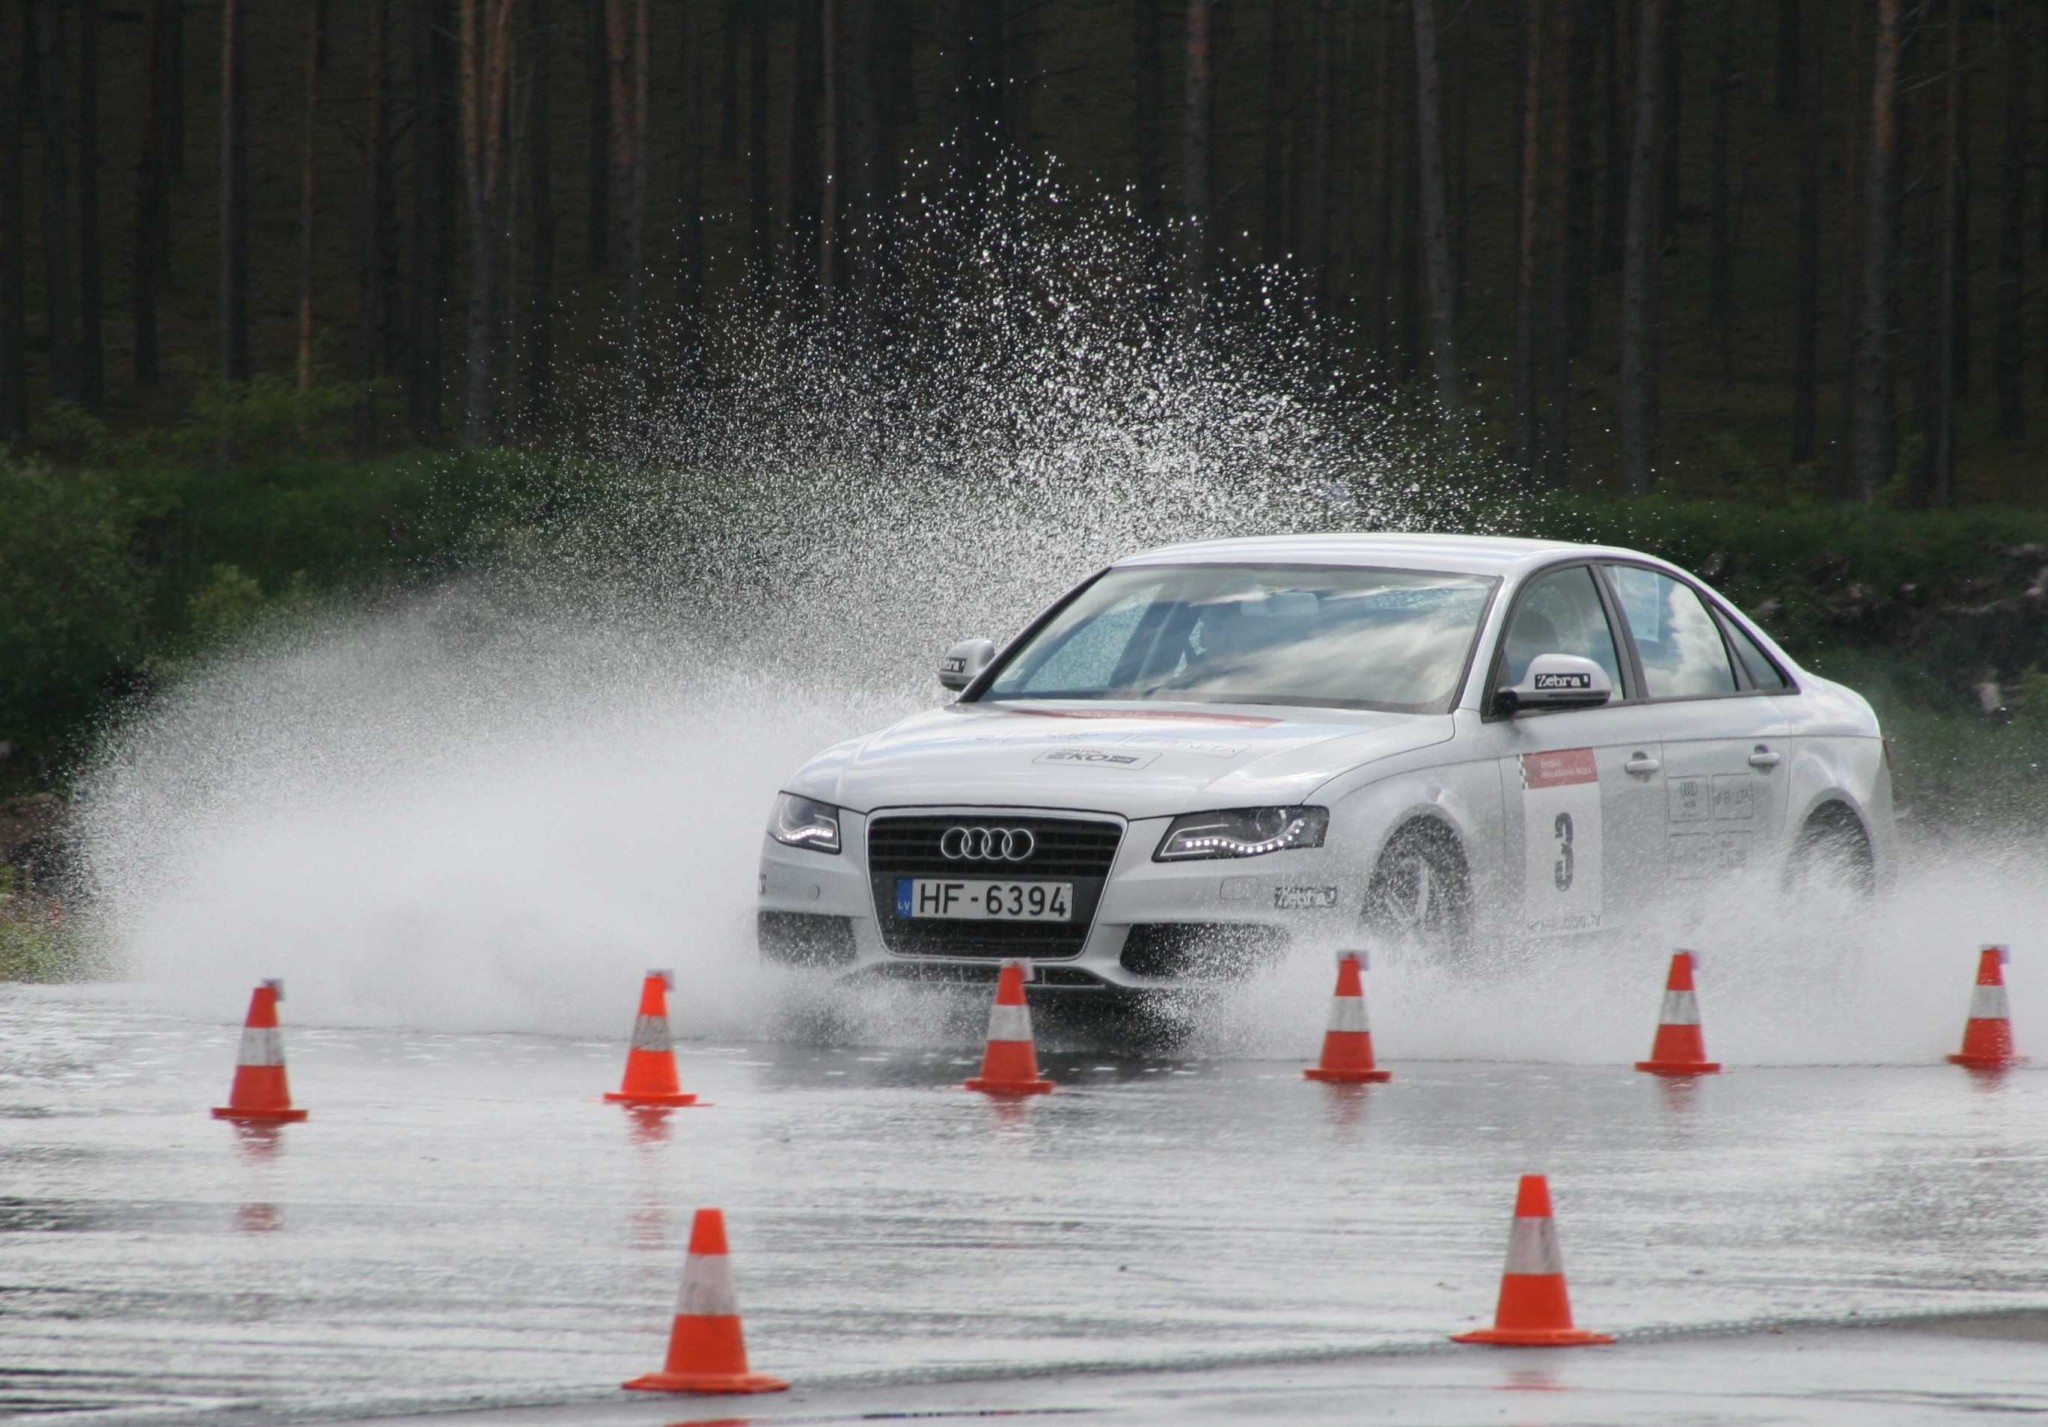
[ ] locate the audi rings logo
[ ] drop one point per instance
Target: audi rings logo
(987, 844)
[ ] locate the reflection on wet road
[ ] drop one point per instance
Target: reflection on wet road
(462, 1221)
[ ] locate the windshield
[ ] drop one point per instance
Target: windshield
(1391, 640)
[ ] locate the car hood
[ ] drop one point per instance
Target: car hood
(1139, 760)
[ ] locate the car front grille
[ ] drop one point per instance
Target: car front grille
(1076, 850)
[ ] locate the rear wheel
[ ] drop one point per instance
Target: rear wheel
(1832, 866)
(1419, 899)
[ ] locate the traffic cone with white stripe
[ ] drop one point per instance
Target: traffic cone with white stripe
(260, 1094)
(1534, 1310)
(707, 1353)
(651, 1063)
(1009, 1065)
(1987, 1035)
(1347, 1044)
(1680, 1048)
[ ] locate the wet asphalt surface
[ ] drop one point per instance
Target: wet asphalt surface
(461, 1223)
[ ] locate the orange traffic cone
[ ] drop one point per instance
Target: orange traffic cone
(1680, 1048)
(260, 1095)
(651, 1063)
(706, 1351)
(1987, 1035)
(1009, 1066)
(1347, 1044)
(1534, 1311)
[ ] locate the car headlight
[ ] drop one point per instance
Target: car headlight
(1242, 832)
(799, 822)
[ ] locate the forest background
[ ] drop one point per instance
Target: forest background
(291, 295)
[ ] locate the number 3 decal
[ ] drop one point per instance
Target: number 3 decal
(1561, 873)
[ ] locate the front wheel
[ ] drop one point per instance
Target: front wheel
(1419, 899)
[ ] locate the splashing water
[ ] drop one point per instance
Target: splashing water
(492, 807)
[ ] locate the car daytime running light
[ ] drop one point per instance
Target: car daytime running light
(1242, 832)
(799, 822)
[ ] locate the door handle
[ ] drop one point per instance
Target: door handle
(1642, 765)
(1763, 759)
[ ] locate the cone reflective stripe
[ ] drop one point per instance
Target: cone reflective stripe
(651, 1061)
(260, 1094)
(1009, 1064)
(1535, 1310)
(1680, 1047)
(1987, 1036)
(1347, 1044)
(707, 1352)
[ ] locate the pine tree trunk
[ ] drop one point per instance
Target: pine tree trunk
(1806, 272)
(60, 284)
(1791, 56)
(1019, 74)
(1614, 142)
(152, 197)
(1148, 64)
(830, 179)
(1721, 226)
(1386, 195)
(1276, 241)
(1315, 228)
(690, 195)
(539, 414)
(1874, 443)
(173, 59)
(13, 263)
(1568, 235)
(627, 25)
(597, 77)
(1579, 232)
(431, 254)
(316, 25)
(92, 380)
(371, 300)
(1671, 125)
(729, 82)
(1939, 484)
(1530, 170)
(1435, 237)
(802, 175)
(234, 194)
(1849, 259)
(486, 78)
(1641, 280)
(1197, 137)
(1959, 210)
(2017, 30)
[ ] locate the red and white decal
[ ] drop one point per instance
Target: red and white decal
(1559, 769)
(1561, 840)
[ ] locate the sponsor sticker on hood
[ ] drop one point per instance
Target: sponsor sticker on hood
(1096, 757)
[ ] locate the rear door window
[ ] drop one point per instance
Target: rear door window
(1677, 640)
(1763, 674)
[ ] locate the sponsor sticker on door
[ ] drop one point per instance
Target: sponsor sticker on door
(1561, 850)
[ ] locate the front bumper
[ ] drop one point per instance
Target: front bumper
(1157, 925)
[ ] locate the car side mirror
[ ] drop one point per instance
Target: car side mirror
(1557, 681)
(965, 661)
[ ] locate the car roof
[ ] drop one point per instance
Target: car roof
(1452, 554)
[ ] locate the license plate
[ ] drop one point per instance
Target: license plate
(966, 901)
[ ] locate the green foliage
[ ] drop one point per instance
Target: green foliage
(264, 419)
(37, 942)
(72, 597)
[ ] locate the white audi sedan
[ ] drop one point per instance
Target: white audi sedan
(1428, 744)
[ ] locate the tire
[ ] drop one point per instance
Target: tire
(1419, 901)
(1831, 863)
